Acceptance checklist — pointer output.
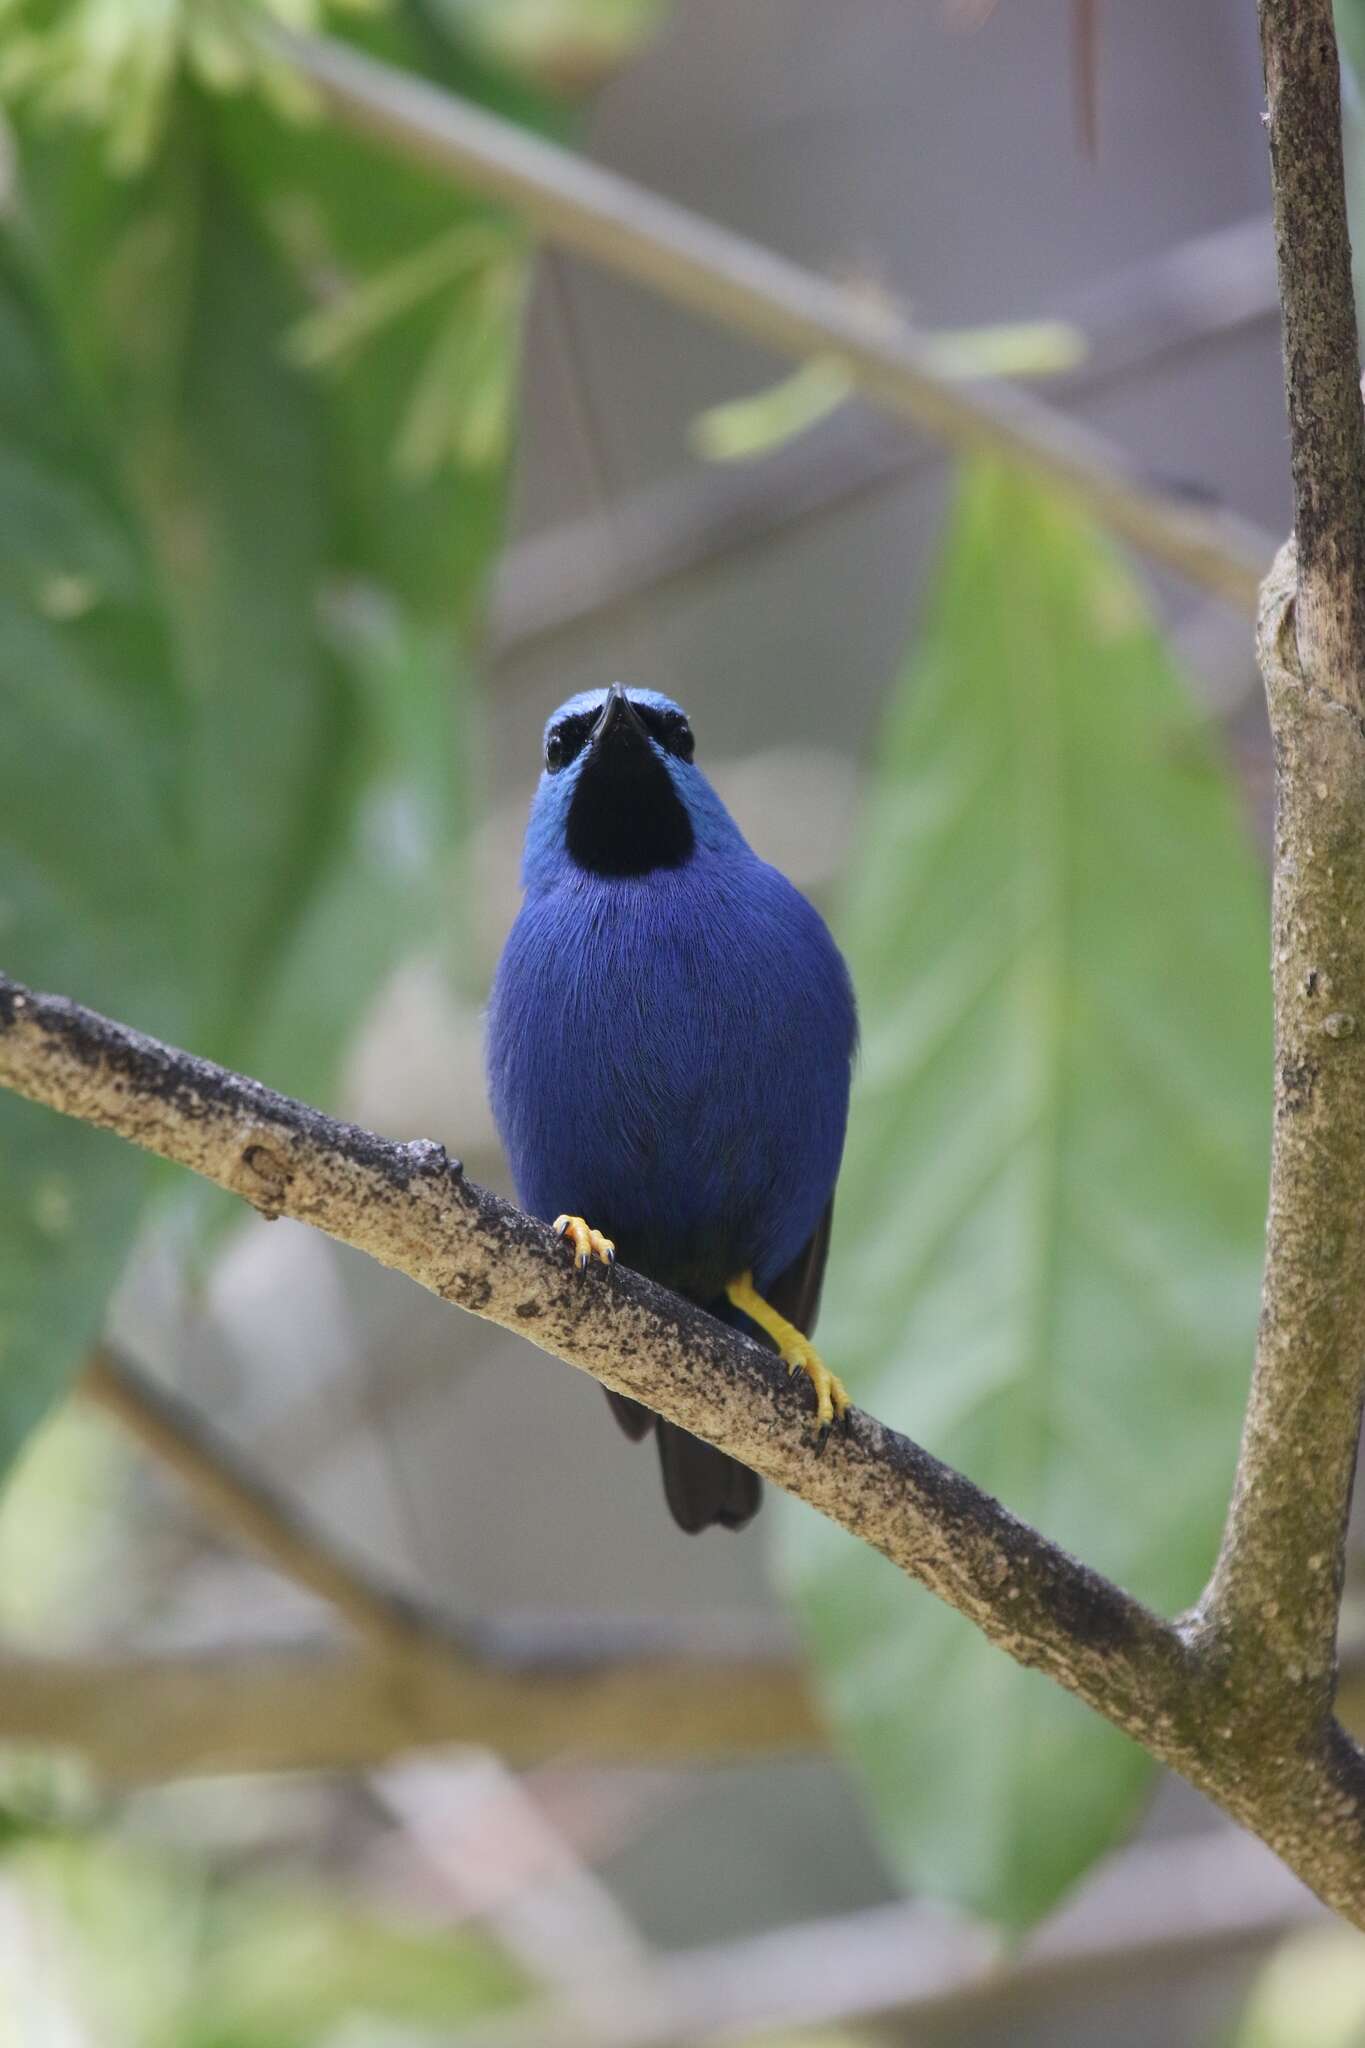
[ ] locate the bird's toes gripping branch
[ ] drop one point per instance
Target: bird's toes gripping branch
(798, 1353)
(588, 1243)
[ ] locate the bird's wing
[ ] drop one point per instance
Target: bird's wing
(795, 1293)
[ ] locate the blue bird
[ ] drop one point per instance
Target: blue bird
(670, 1038)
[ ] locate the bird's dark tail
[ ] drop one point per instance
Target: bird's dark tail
(701, 1484)
(703, 1487)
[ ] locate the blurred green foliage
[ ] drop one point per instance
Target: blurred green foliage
(1049, 1222)
(118, 64)
(241, 578)
(1311, 1994)
(1350, 21)
(95, 718)
(563, 44)
(742, 428)
(154, 1953)
(256, 393)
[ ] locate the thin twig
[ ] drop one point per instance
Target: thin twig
(411, 1208)
(1085, 66)
(1137, 322)
(748, 288)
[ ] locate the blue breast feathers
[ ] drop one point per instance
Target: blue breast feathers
(669, 1054)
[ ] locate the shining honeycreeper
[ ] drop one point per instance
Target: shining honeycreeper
(669, 1043)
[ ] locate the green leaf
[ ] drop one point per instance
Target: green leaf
(276, 758)
(228, 808)
(232, 796)
(395, 881)
(240, 461)
(117, 68)
(378, 256)
(565, 45)
(742, 428)
(91, 840)
(1049, 1223)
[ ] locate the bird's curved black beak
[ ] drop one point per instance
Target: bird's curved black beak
(619, 722)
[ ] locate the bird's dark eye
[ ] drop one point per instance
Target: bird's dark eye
(672, 731)
(567, 740)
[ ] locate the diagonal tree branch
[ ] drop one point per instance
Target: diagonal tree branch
(740, 285)
(1274, 1600)
(409, 1206)
(565, 1685)
(1238, 1698)
(1162, 309)
(240, 1500)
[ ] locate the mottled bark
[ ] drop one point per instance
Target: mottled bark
(1273, 1604)
(412, 1209)
(1321, 351)
(1302, 1788)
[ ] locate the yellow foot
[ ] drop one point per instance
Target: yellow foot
(588, 1244)
(798, 1353)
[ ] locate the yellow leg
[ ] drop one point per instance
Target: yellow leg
(588, 1244)
(798, 1353)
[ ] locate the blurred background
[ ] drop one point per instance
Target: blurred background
(322, 488)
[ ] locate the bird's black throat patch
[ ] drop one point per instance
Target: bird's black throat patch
(625, 817)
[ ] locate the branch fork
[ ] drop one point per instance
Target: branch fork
(1237, 1696)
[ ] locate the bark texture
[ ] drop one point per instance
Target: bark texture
(1298, 1782)
(1321, 349)
(1276, 1594)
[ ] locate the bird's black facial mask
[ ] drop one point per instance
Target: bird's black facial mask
(625, 817)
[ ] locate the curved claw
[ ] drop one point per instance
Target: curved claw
(841, 1422)
(831, 1398)
(588, 1244)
